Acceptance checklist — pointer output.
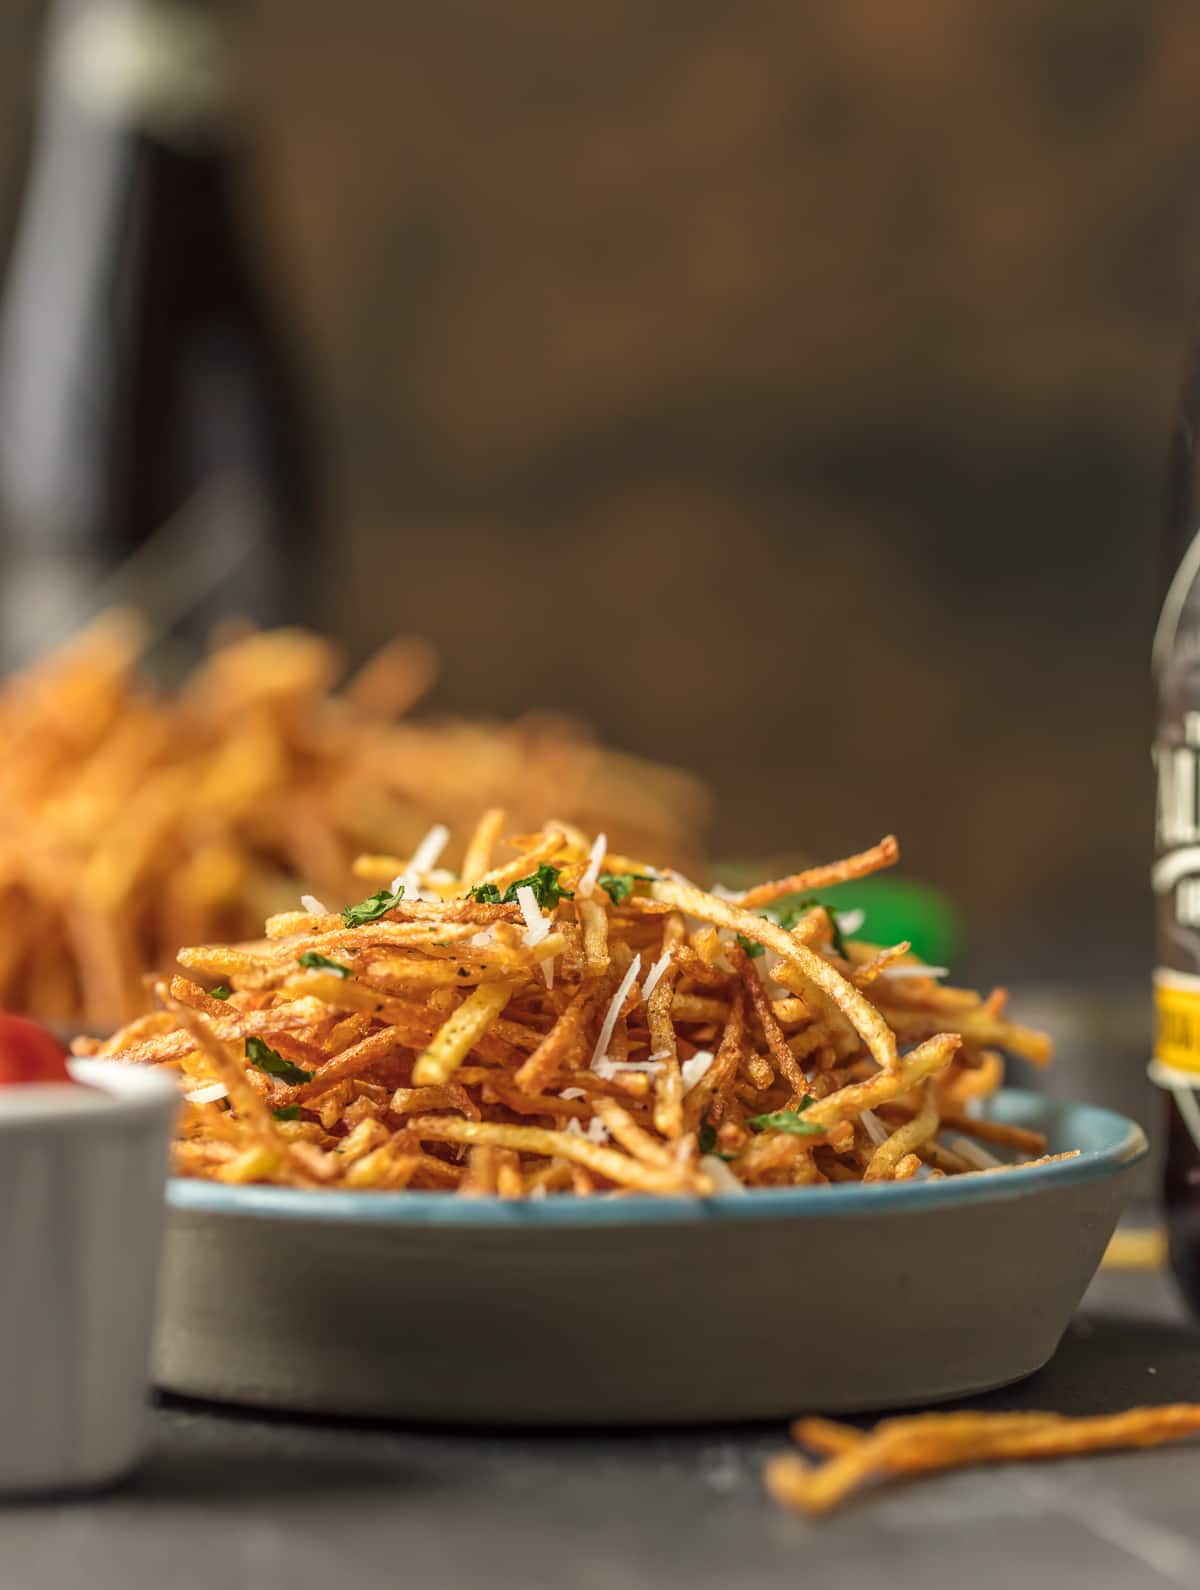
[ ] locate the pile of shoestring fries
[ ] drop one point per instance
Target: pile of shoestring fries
(570, 1019)
(923, 1443)
(134, 820)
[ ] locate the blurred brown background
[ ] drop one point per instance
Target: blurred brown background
(781, 388)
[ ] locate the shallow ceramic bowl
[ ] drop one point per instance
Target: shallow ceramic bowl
(639, 1309)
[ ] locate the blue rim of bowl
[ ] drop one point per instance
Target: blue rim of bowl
(1109, 1144)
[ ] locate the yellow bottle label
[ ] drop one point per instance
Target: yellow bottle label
(1177, 1020)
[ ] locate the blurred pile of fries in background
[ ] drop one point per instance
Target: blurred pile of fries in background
(133, 821)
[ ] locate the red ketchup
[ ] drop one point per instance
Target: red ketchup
(28, 1053)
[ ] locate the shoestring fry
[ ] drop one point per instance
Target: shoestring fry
(570, 1019)
(133, 820)
(926, 1442)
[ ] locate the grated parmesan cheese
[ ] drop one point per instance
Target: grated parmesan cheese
(692, 1070)
(208, 1094)
(596, 1131)
(537, 926)
(424, 859)
(674, 876)
(654, 975)
(606, 1068)
(587, 882)
(876, 1130)
(720, 1172)
(972, 1153)
(313, 906)
(600, 1052)
(427, 854)
(907, 969)
(850, 921)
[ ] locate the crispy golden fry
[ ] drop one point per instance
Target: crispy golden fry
(885, 854)
(865, 972)
(976, 1026)
(1018, 1137)
(933, 1441)
(269, 1151)
(377, 869)
(381, 1051)
(827, 1435)
(962, 1083)
(905, 1139)
(480, 1180)
(385, 1168)
(593, 919)
(543, 847)
(709, 1098)
(624, 1129)
(404, 975)
(1026, 1164)
(452, 1044)
(483, 841)
(393, 680)
(437, 1064)
(668, 1084)
(416, 1101)
(811, 967)
(555, 1048)
(509, 1181)
(621, 1169)
(932, 1056)
(772, 1032)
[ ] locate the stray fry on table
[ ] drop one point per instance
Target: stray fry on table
(922, 1443)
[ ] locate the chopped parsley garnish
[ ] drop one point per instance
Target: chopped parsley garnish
(221, 991)
(790, 915)
(618, 886)
(286, 1112)
(786, 1121)
(547, 890)
(752, 949)
(375, 906)
(706, 1141)
(314, 962)
(261, 1054)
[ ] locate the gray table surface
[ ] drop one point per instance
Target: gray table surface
(232, 1500)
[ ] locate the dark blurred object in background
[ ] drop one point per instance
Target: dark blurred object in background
(148, 404)
(780, 388)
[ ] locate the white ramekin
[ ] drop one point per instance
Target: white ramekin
(82, 1182)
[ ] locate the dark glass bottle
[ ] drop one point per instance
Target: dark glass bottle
(1176, 1063)
(150, 416)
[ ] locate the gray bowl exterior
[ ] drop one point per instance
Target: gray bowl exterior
(630, 1322)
